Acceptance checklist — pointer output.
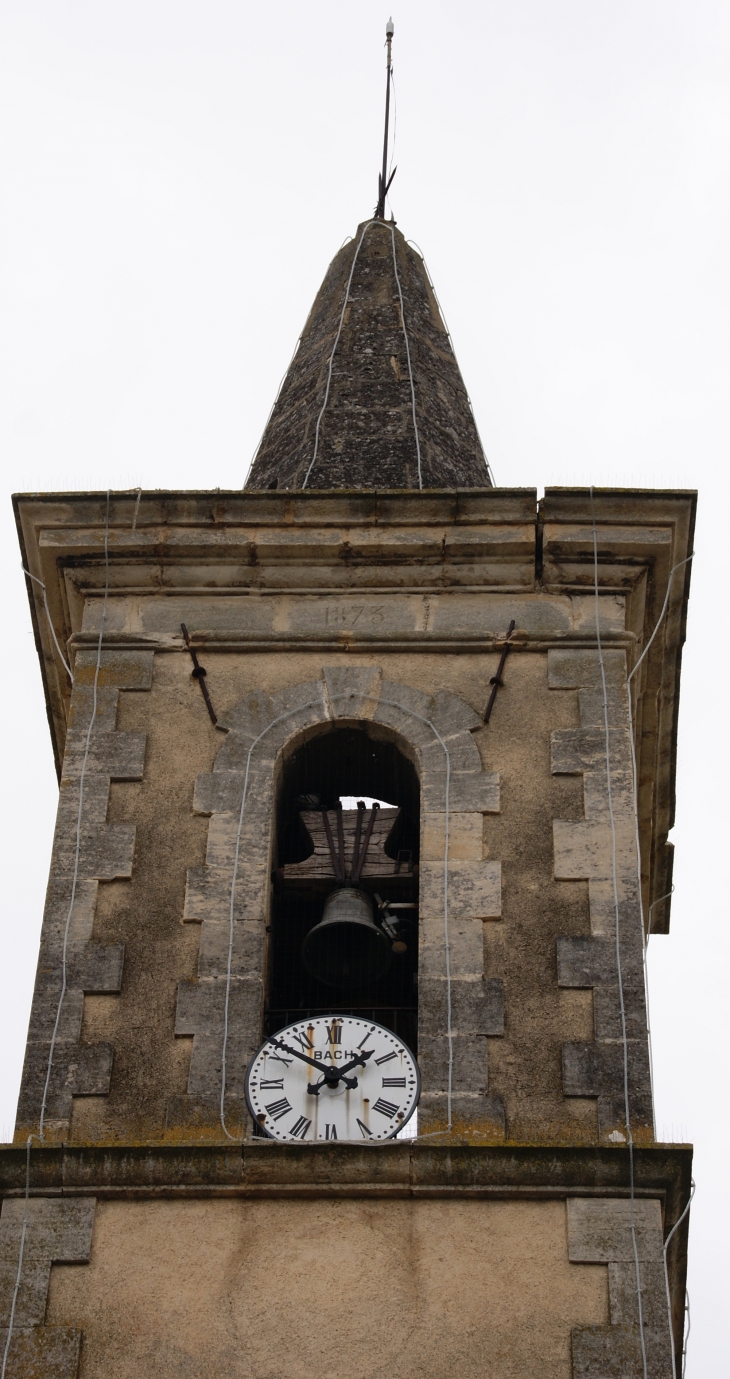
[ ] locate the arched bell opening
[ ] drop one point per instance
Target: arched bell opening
(344, 918)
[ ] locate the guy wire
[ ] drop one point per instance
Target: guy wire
(36, 580)
(365, 228)
(408, 357)
(449, 336)
(619, 974)
(685, 1338)
(646, 932)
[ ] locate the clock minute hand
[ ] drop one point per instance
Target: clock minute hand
(321, 1068)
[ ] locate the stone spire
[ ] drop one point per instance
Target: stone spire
(374, 397)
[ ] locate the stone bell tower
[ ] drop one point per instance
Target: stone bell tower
(224, 672)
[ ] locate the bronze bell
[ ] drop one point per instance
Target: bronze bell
(347, 948)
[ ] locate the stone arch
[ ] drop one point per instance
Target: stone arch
(229, 895)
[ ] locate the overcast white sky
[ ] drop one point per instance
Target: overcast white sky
(174, 180)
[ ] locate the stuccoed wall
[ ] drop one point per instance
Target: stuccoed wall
(346, 1290)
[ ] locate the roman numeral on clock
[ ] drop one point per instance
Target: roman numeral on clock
(334, 1033)
(303, 1041)
(386, 1108)
(273, 1084)
(301, 1128)
(386, 1058)
(389, 1082)
(277, 1109)
(364, 1129)
(330, 1132)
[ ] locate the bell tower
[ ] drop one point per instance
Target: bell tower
(374, 745)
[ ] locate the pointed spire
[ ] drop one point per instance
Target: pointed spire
(373, 397)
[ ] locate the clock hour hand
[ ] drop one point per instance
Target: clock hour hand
(314, 1087)
(357, 1062)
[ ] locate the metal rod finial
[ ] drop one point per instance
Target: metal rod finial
(383, 180)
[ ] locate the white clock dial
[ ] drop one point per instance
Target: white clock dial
(334, 1077)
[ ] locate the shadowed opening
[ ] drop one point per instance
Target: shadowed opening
(344, 928)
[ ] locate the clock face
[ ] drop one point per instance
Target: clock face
(333, 1077)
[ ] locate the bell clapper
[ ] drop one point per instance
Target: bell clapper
(390, 923)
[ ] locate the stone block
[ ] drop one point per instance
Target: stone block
(477, 791)
(592, 710)
(469, 1064)
(94, 811)
(624, 1302)
(599, 1230)
(107, 851)
(201, 1012)
(470, 1112)
(248, 718)
(597, 1070)
(412, 702)
(30, 1308)
(584, 849)
(247, 956)
(580, 668)
(208, 895)
(474, 890)
(463, 759)
(218, 792)
(577, 961)
(465, 837)
(43, 1013)
(607, 1352)
(101, 706)
(477, 1008)
(595, 793)
(594, 1069)
(126, 670)
(452, 715)
(466, 948)
(353, 691)
(96, 967)
(42, 1352)
(200, 1116)
(59, 1229)
(120, 756)
(415, 729)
